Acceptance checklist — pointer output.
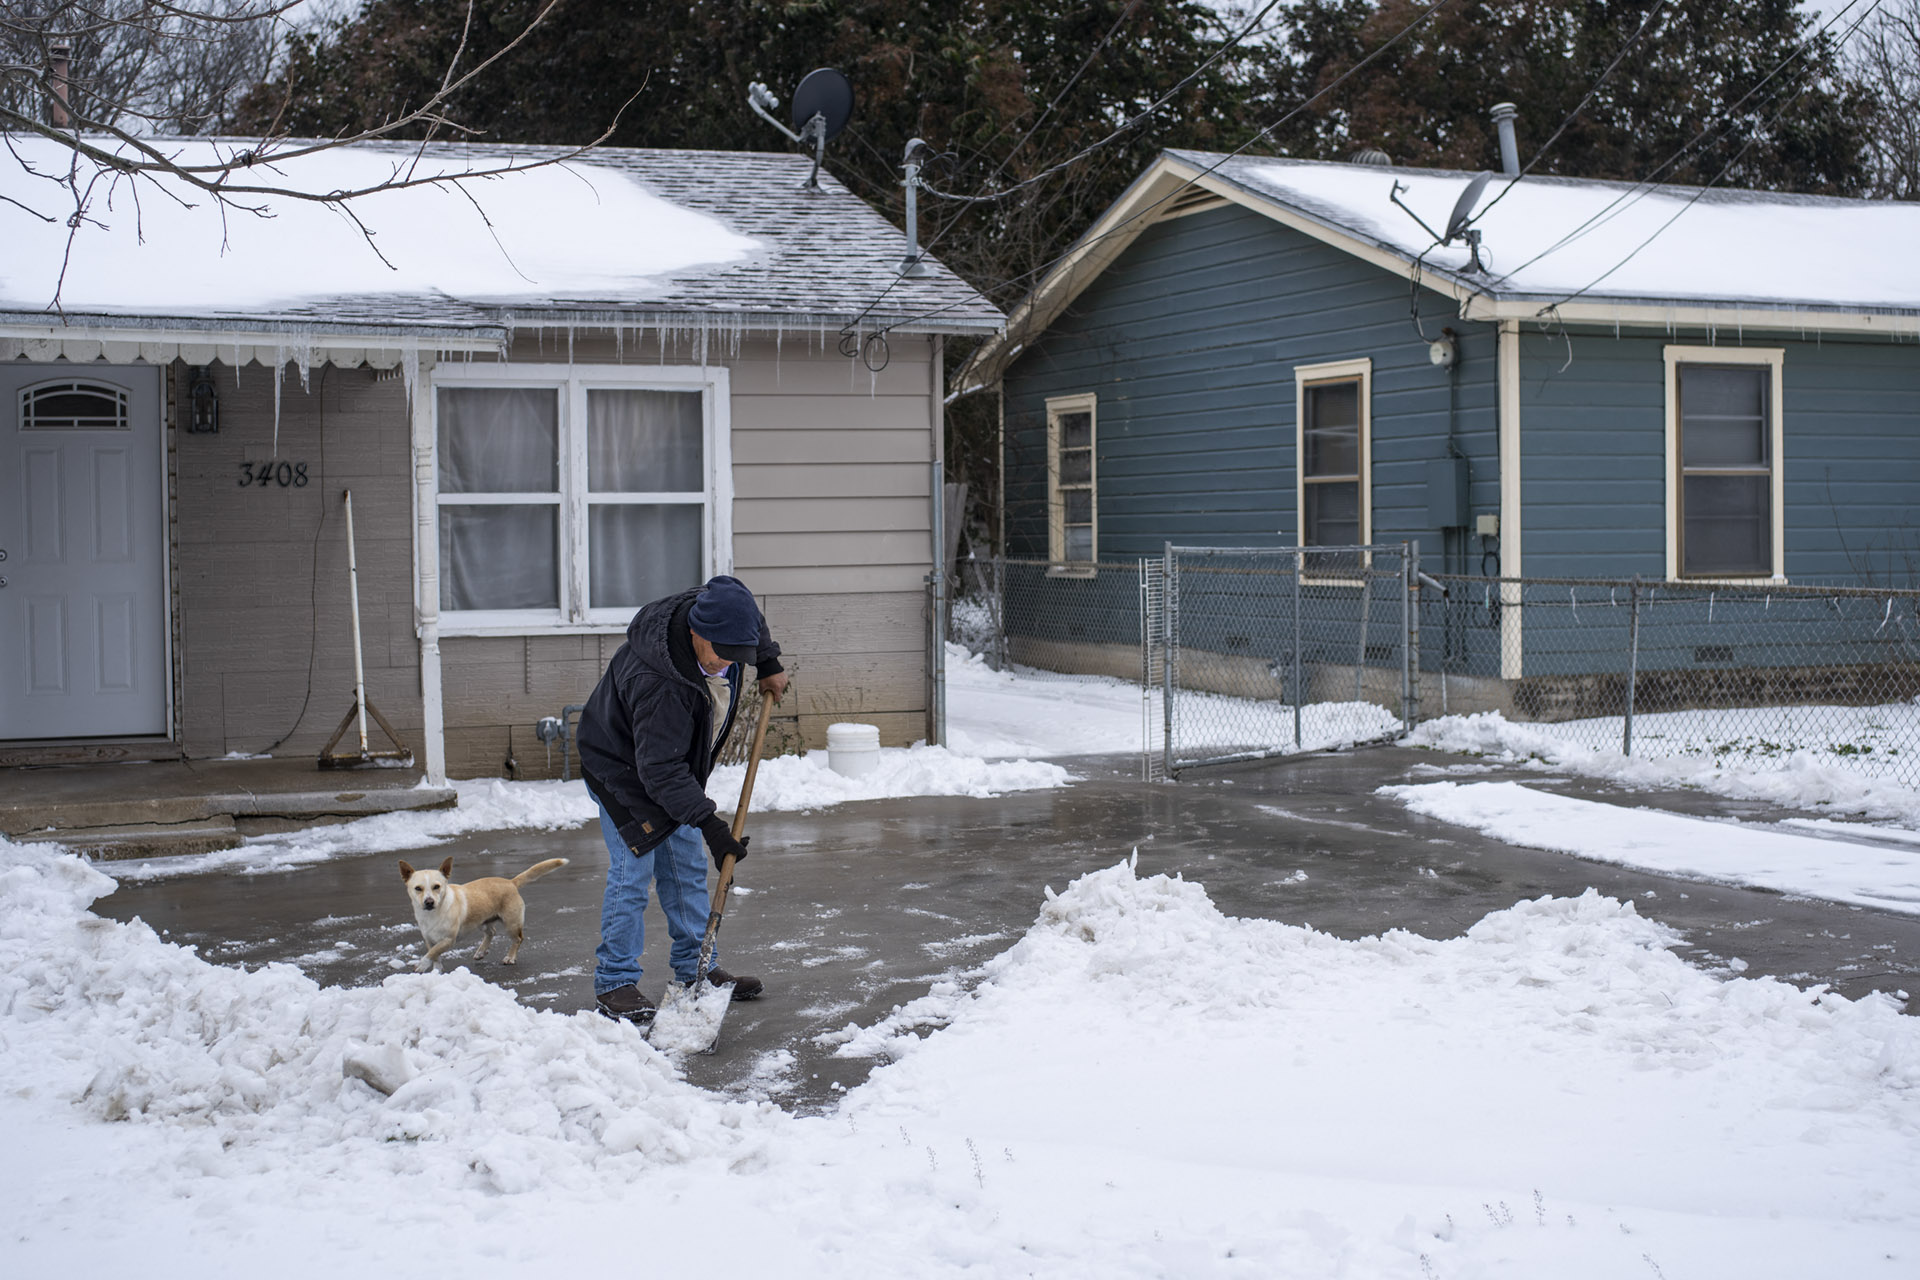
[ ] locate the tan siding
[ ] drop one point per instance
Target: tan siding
(780, 515)
(823, 550)
(845, 480)
(840, 579)
(794, 446)
(790, 411)
(263, 571)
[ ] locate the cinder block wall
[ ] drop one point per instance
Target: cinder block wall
(831, 530)
(260, 570)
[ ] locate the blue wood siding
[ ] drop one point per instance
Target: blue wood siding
(1190, 339)
(1593, 455)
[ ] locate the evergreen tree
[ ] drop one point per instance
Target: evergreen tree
(1707, 67)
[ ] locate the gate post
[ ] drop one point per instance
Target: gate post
(1410, 635)
(1633, 663)
(1169, 653)
(1299, 567)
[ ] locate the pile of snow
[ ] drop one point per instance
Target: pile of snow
(807, 782)
(1141, 1086)
(1687, 748)
(1671, 844)
(254, 1069)
(578, 229)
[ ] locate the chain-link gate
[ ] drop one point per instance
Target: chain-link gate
(1262, 652)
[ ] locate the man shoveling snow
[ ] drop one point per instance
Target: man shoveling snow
(649, 735)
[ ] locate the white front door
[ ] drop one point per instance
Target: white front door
(83, 612)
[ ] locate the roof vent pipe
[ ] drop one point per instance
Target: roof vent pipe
(59, 68)
(1503, 114)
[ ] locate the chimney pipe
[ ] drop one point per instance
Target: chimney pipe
(59, 69)
(1503, 114)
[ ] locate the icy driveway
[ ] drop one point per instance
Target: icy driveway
(852, 910)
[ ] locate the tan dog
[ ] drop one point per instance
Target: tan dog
(445, 910)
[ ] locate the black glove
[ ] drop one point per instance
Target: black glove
(720, 841)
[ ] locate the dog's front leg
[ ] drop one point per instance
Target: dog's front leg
(432, 959)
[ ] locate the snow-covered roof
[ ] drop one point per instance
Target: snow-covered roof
(1556, 239)
(1574, 249)
(617, 235)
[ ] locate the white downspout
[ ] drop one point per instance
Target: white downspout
(936, 397)
(426, 556)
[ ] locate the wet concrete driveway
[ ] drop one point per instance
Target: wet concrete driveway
(850, 911)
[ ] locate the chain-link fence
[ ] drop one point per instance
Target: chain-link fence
(1756, 677)
(1063, 648)
(1271, 651)
(1206, 655)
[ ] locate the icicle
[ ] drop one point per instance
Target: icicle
(779, 336)
(1573, 603)
(569, 344)
(279, 375)
(409, 366)
(1709, 608)
(1885, 618)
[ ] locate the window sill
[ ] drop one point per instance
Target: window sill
(1755, 580)
(454, 626)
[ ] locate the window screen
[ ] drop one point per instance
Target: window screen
(1074, 485)
(1330, 465)
(1726, 470)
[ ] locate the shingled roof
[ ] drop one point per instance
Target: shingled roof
(687, 238)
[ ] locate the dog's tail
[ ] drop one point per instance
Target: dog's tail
(537, 870)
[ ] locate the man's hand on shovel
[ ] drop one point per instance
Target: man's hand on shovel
(774, 686)
(720, 841)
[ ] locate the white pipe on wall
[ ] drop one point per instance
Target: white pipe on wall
(426, 605)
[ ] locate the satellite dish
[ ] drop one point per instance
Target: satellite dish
(827, 94)
(1463, 207)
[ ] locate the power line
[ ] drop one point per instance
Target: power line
(1644, 186)
(851, 328)
(1260, 136)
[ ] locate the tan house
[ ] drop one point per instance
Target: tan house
(627, 376)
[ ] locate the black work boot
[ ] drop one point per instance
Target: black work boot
(626, 1004)
(744, 988)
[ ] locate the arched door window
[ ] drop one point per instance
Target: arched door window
(70, 404)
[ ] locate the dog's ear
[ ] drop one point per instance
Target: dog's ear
(406, 872)
(446, 868)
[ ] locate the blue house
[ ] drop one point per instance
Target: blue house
(1604, 381)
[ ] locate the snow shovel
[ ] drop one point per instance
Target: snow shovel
(690, 1016)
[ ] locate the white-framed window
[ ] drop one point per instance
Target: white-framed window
(1724, 475)
(1073, 503)
(1333, 446)
(569, 495)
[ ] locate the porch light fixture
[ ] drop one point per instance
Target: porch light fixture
(205, 397)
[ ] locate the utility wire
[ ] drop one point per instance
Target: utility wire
(1707, 133)
(1265, 131)
(851, 328)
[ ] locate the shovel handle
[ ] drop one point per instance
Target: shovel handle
(723, 885)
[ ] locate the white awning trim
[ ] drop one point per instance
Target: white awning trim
(306, 352)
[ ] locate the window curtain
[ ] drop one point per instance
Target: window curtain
(643, 442)
(499, 440)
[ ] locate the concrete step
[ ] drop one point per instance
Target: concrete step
(20, 817)
(141, 839)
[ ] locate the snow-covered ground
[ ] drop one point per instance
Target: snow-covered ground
(1024, 712)
(1553, 1093)
(1837, 864)
(1851, 759)
(491, 804)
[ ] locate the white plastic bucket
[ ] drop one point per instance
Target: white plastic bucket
(853, 749)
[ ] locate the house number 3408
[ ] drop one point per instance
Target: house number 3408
(287, 475)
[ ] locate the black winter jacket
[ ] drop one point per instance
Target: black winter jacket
(646, 733)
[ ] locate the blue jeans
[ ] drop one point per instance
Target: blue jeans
(679, 865)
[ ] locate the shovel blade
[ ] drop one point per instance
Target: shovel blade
(689, 1021)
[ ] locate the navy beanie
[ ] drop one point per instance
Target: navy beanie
(726, 617)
